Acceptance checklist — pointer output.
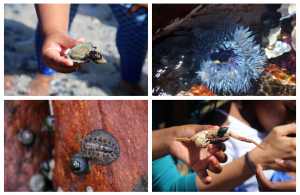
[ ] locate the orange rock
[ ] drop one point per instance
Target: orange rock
(20, 162)
(292, 79)
(202, 90)
(126, 120)
(279, 74)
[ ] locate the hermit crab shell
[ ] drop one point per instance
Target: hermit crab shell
(80, 53)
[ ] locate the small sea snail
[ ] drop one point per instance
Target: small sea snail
(26, 137)
(48, 124)
(79, 165)
(222, 131)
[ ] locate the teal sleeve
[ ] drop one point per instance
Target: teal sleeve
(166, 177)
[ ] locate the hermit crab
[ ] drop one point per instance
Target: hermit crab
(203, 138)
(83, 52)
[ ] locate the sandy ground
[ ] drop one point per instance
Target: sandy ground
(95, 23)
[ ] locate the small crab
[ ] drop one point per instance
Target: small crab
(83, 52)
(203, 138)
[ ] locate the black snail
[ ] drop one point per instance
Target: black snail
(79, 165)
(26, 137)
(48, 124)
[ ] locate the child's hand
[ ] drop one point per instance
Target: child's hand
(266, 185)
(53, 52)
(278, 146)
(199, 159)
(136, 7)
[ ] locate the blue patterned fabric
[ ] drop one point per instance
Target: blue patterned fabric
(132, 41)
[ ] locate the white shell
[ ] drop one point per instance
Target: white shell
(274, 32)
(201, 141)
(287, 10)
(294, 38)
(279, 49)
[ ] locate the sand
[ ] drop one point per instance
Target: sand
(95, 23)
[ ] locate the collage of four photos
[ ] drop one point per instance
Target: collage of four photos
(96, 136)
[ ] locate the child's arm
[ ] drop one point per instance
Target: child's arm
(199, 159)
(238, 171)
(54, 22)
(53, 17)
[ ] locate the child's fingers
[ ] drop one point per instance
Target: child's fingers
(222, 147)
(53, 57)
(286, 129)
(214, 165)
(136, 7)
(69, 42)
(203, 175)
(220, 155)
(286, 164)
(133, 9)
(263, 182)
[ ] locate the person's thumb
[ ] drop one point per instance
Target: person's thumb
(69, 42)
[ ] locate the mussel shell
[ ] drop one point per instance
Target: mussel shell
(79, 53)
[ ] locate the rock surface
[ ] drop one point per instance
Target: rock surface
(126, 120)
(21, 162)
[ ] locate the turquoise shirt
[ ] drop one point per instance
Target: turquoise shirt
(166, 177)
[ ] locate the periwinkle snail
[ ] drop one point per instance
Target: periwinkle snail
(79, 165)
(26, 137)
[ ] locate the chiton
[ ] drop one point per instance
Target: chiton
(100, 147)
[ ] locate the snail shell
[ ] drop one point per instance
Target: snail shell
(48, 124)
(97, 57)
(79, 165)
(222, 131)
(26, 137)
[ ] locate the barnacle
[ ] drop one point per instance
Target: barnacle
(228, 58)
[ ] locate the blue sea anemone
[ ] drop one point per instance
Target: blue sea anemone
(229, 58)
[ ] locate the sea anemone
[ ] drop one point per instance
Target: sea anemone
(228, 58)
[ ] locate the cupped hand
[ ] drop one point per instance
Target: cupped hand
(198, 159)
(278, 145)
(55, 45)
(267, 185)
(136, 7)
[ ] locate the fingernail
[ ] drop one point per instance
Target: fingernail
(215, 151)
(214, 126)
(213, 160)
(279, 160)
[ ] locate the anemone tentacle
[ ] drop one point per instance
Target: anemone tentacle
(242, 61)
